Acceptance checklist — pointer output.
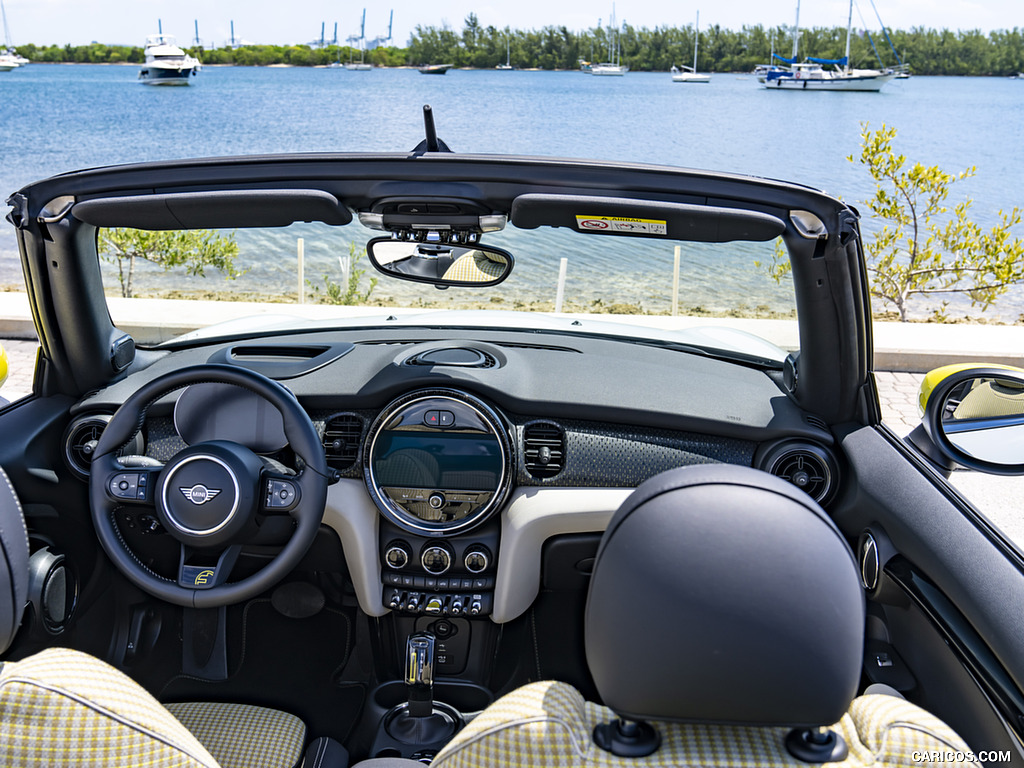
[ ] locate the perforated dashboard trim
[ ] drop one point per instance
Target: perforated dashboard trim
(606, 456)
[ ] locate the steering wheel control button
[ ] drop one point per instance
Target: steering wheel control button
(280, 495)
(397, 555)
(436, 560)
(125, 486)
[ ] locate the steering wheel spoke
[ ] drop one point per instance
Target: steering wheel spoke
(197, 569)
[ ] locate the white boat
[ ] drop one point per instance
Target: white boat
(166, 63)
(9, 58)
(362, 65)
(690, 74)
(811, 75)
(613, 67)
(507, 66)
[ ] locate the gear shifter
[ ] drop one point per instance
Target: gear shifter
(419, 674)
(421, 721)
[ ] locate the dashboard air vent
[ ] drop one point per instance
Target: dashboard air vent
(816, 421)
(341, 440)
(544, 449)
(808, 466)
(80, 442)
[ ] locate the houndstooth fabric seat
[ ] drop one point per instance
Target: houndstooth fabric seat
(61, 707)
(549, 723)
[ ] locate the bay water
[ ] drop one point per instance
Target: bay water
(56, 118)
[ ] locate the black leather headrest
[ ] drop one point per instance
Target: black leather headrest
(722, 594)
(13, 562)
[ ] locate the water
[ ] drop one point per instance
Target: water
(55, 118)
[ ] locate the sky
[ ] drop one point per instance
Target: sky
(128, 22)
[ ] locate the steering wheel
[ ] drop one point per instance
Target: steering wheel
(209, 496)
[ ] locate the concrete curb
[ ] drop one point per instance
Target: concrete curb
(909, 347)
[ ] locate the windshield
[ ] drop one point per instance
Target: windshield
(556, 270)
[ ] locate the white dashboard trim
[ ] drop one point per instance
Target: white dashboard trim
(531, 517)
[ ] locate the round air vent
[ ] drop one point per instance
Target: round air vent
(80, 440)
(808, 466)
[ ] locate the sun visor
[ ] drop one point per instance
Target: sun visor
(644, 218)
(221, 209)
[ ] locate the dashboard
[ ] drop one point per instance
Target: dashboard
(458, 457)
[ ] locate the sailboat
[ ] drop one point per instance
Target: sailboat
(361, 65)
(9, 58)
(811, 75)
(690, 74)
(507, 66)
(613, 66)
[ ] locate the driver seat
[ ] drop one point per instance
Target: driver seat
(64, 707)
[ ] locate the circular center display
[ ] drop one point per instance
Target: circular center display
(437, 461)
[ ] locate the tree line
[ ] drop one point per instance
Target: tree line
(926, 51)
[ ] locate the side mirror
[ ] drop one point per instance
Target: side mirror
(975, 417)
(3, 366)
(440, 264)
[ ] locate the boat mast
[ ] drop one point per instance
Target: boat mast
(696, 39)
(796, 32)
(849, 27)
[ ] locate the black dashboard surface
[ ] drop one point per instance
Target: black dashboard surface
(536, 375)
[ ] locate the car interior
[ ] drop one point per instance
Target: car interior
(466, 538)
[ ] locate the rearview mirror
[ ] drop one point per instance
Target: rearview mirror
(441, 264)
(976, 418)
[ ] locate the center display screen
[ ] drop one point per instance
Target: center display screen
(437, 460)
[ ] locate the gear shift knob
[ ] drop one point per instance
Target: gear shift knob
(419, 673)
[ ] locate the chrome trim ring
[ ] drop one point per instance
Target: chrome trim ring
(399, 516)
(168, 486)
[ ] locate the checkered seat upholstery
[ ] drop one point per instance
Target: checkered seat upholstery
(61, 707)
(550, 724)
(724, 627)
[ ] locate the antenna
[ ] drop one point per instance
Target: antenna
(431, 143)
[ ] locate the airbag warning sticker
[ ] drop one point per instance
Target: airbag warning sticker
(621, 224)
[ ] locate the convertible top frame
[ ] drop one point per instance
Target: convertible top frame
(58, 246)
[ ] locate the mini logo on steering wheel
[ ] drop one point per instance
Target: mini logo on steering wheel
(199, 494)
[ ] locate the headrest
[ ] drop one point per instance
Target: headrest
(13, 562)
(723, 594)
